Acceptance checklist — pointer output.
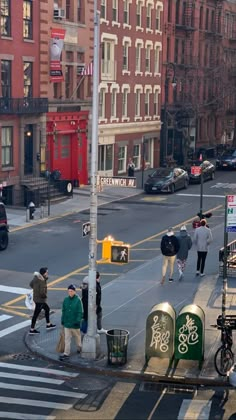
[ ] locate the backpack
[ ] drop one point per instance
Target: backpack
(168, 246)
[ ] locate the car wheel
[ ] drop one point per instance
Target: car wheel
(3, 240)
(172, 188)
(212, 176)
(186, 184)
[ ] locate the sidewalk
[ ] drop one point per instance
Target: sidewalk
(127, 301)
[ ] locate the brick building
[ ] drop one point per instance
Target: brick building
(129, 90)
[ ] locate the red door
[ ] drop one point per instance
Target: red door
(62, 155)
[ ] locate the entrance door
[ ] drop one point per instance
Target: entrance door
(62, 155)
(28, 145)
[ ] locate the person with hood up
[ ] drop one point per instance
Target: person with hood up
(39, 286)
(169, 249)
(185, 244)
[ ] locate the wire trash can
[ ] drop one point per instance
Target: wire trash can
(117, 346)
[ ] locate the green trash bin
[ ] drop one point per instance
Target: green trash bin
(117, 346)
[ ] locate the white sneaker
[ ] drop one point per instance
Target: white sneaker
(102, 331)
(197, 273)
(202, 274)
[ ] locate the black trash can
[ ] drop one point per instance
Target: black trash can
(117, 345)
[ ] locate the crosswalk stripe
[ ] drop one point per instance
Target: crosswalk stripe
(15, 327)
(31, 378)
(38, 369)
(40, 390)
(5, 317)
(195, 410)
(35, 403)
(24, 416)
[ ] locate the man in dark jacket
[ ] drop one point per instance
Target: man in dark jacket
(39, 286)
(72, 314)
(169, 249)
(100, 330)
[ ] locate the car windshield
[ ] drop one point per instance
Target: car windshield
(229, 153)
(162, 173)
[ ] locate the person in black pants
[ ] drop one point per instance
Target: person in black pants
(202, 239)
(39, 286)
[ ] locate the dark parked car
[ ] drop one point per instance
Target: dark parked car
(3, 228)
(208, 171)
(227, 160)
(166, 180)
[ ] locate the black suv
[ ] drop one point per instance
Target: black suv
(3, 228)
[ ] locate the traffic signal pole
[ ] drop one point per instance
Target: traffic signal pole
(91, 341)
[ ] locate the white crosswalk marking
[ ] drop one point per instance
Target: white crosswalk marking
(31, 378)
(194, 410)
(40, 390)
(24, 416)
(35, 403)
(15, 327)
(37, 369)
(5, 317)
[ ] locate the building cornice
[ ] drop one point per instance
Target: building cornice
(128, 128)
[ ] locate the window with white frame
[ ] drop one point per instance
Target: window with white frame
(138, 14)
(147, 59)
(156, 102)
(113, 102)
(137, 102)
(138, 57)
(7, 146)
(122, 153)
(125, 55)
(103, 11)
(157, 60)
(126, 12)
(147, 102)
(158, 19)
(149, 17)
(125, 102)
(106, 52)
(102, 99)
(105, 157)
(137, 156)
(115, 10)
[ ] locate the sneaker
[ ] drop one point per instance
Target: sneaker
(50, 327)
(197, 273)
(171, 280)
(202, 274)
(102, 331)
(33, 332)
(79, 350)
(64, 357)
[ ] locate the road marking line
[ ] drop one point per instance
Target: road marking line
(41, 390)
(31, 378)
(12, 311)
(4, 317)
(24, 416)
(38, 369)
(145, 249)
(194, 409)
(16, 290)
(15, 327)
(35, 403)
(204, 195)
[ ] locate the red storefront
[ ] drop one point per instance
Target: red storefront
(66, 148)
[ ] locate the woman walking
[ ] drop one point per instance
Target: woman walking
(185, 244)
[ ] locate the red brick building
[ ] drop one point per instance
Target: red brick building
(129, 90)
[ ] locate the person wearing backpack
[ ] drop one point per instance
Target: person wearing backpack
(169, 248)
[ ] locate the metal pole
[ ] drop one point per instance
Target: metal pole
(142, 160)
(91, 341)
(201, 195)
(165, 119)
(49, 193)
(224, 291)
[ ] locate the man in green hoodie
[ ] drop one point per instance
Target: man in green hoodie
(72, 314)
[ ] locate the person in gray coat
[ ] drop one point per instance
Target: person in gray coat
(202, 239)
(185, 243)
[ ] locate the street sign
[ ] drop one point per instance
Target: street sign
(195, 170)
(117, 181)
(86, 229)
(120, 254)
(231, 213)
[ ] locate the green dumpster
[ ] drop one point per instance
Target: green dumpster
(189, 333)
(160, 331)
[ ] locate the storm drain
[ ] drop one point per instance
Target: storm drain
(170, 388)
(22, 356)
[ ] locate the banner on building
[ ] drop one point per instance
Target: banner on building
(56, 47)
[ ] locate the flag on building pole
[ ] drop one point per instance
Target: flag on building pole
(87, 70)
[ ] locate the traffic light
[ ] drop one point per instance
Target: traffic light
(120, 254)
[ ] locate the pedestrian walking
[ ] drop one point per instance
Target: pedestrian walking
(72, 314)
(131, 168)
(169, 249)
(39, 286)
(100, 329)
(185, 244)
(202, 239)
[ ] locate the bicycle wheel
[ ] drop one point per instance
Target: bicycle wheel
(223, 360)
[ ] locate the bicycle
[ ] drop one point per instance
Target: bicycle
(224, 357)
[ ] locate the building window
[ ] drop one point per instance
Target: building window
(136, 156)
(157, 60)
(125, 55)
(105, 157)
(137, 102)
(158, 19)
(182, 51)
(113, 102)
(103, 9)
(177, 8)
(138, 57)
(176, 51)
(138, 14)
(207, 18)
(81, 11)
(201, 18)
(122, 159)
(68, 9)
(126, 12)
(147, 103)
(170, 8)
(125, 102)
(5, 18)
(27, 20)
(107, 53)
(102, 97)
(6, 78)
(28, 80)
(147, 59)
(149, 16)
(7, 146)
(156, 102)
(115, 10)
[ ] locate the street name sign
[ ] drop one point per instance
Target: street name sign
(117, 181)
(231, 213)
(195, 170)
(120, 254)
(86, 227)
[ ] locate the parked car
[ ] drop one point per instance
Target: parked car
(227, 160)
(166, 180)
(208, 170)
(3, 228)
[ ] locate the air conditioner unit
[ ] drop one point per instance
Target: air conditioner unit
(59, 14)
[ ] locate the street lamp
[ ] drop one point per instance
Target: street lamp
(170, 75)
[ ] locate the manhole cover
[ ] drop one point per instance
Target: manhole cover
(170, 389)
(22, 356)
(87, 383)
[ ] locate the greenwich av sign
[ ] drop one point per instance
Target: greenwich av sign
(117, 181)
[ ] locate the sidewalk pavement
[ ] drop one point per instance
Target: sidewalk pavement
(127, 301)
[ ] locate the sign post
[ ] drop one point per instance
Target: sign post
(201, 189)
(86, 227)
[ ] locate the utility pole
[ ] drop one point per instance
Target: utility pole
(91, 341)
(201, 189)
